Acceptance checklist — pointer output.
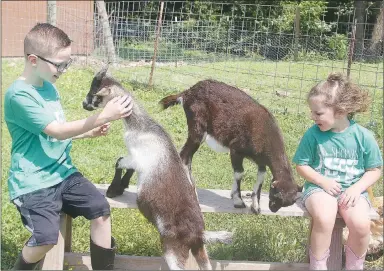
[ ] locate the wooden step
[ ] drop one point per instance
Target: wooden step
(218, 201)
(78, 261)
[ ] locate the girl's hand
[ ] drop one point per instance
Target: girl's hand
(101, 130)
(331, 186)
(349, 198)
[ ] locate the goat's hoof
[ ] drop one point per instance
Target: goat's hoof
(255, 211)
(114, 193)
(239, 204)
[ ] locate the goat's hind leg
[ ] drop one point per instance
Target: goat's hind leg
(175, 254)
(255, 207)
(238, 172)
(119, 184)
(196, 132)
(201, 256)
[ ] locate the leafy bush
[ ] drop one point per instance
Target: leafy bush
(308, 56)
(338, 44)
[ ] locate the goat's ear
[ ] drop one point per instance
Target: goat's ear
(100, 75)
(104, 92)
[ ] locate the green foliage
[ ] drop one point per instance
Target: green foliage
(281, 17)
(338, 44)
(234, 28)
(308, 56)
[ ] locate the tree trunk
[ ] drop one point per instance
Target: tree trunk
(51, 12)
(377, 41)
(107, 35)
(360, 19)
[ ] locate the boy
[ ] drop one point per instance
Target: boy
(42, 179)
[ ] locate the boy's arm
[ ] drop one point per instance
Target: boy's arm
(98, 131)
(118, 107)
(85, 135)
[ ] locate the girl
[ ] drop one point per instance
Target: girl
(339, 159)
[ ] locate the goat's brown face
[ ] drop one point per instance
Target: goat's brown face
(101, 91)
(282, 194)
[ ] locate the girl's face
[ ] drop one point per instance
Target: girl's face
(322, 115)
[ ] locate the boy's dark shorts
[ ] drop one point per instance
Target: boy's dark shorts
(40, 210)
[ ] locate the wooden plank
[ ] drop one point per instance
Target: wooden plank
(219, 201)
(54, 259)
(78, 261)
(336, 249)
(68, 234)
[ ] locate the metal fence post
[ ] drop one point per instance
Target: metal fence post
(297, 33)
(351, 48)
(150, 82)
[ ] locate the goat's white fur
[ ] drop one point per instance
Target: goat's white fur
(236, 177)
(172, 261)
(259, 181)
(214, 144)
(139, 146)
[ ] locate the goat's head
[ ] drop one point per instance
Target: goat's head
(282, 193)
(103, 89)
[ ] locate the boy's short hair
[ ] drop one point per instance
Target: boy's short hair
(45, 40)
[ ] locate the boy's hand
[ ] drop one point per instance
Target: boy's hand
(349, 198)
(101, 130)
(331, 186)
(117, 108)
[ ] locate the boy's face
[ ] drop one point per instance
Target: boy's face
(48, 71)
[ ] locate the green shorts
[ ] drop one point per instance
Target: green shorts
(313, 188)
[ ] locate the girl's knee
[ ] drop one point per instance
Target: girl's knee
(323, 221)
(360, 227)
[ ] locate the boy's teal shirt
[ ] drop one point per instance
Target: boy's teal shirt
(343, 156)
(37, 160)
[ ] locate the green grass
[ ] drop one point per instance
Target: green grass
(257, 238)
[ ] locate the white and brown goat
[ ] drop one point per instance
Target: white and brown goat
(165, 193)
(230, 120)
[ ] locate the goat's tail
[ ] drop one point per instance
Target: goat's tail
(171, 100)
(211, 237)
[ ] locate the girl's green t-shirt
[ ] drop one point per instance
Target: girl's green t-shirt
(343, 156)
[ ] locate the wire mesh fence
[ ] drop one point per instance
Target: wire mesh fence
(279, 51)
(275, 51)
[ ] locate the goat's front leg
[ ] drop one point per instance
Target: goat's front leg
(255, 207)
(119, 184)
(238, 172)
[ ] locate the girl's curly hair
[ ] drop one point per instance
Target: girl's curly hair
(341, 94)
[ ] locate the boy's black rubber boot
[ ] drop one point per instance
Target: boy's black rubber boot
(21, 264)
(102, 258)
